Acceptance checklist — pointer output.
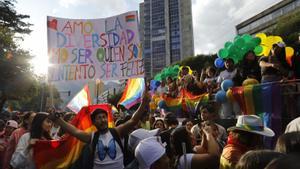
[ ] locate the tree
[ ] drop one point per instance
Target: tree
(39, 99)
(17, 79)
(198, 62)
(288, 28)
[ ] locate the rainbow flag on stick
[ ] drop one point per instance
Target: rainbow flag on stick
(191, 101)
(81, 99)
(64, 153)
(186, 101)
(132, 93)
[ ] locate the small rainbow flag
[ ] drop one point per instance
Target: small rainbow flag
(81, 99)
(132, 93)
(130, 18)
(66, 151)
(186, 101)
(191, 101)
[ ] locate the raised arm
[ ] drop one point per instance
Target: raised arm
(124, 129)
(212, 144)
(265, 64)
(69, 128)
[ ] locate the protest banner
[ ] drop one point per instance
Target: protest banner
(88, 49)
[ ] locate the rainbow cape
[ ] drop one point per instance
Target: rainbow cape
(186, 101)
(132, 93)
(81, 99)
(64, 153)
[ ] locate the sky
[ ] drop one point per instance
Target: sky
(213, 20)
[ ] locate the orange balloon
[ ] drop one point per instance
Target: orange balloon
(289, 52)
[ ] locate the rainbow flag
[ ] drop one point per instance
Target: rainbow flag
(130, 18)
(81, 99)
(191, 101)
(258, 99)
(132, 93)
(186, 101)
(64, 153)
(264, 100)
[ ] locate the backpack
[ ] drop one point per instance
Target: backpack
(86, 159)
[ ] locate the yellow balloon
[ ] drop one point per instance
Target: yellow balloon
(262, 36)
(266, 50)
(277, 39)
(229, 95)
(250, 81)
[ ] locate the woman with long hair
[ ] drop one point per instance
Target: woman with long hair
(275, 66)
(40, 130)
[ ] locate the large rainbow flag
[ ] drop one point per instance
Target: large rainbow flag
(82, 98)
(132, 93)
(63, 153)
(264, 100)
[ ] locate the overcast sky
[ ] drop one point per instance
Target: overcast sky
(214, 20)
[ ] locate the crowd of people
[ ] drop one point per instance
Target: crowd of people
(252, 69)
(167, 143)
(146, 141)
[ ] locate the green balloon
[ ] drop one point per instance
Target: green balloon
(250, 45)
(256, 40)
(247, 37)
(157, 77)
(239, 42)
(258, 50)
(223, 53)
(163, 76)
(237, 37)
(228, 44)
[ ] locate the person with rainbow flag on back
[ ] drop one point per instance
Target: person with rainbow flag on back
(106, 146)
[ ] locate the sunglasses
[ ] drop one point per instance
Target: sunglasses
(110, 150)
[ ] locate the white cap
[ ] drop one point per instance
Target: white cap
(12, 123)
(148, 151)
(140, 134)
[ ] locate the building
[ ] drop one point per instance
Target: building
(166, 33)
(267, 18)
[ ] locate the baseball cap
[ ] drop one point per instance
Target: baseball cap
(12, 123)
(148, 151)
(140, 134)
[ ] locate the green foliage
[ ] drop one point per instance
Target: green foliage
(10, 19)
(198, 62)
(37, 98)
(288, 28)
(19, 86)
